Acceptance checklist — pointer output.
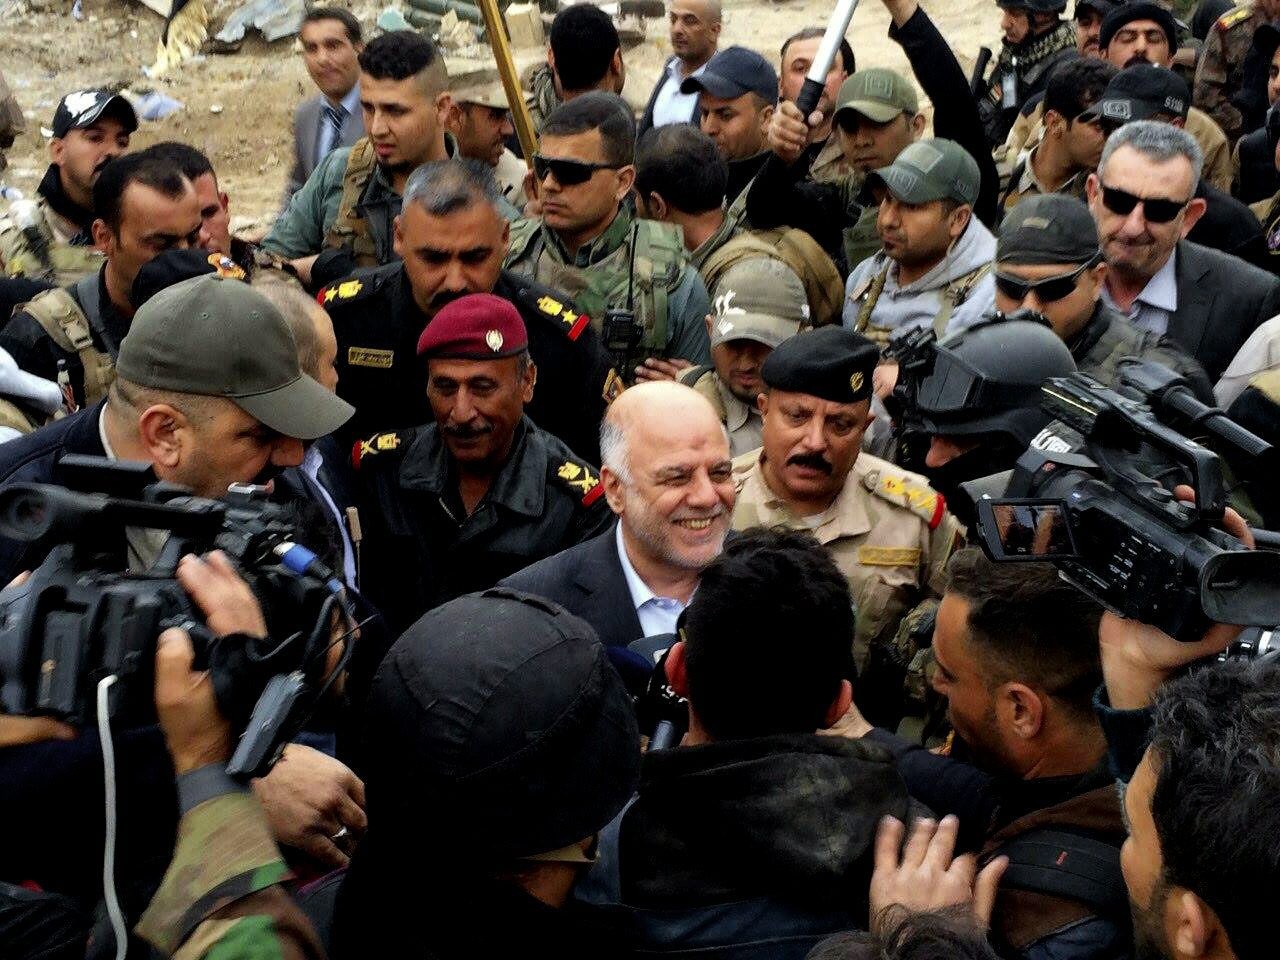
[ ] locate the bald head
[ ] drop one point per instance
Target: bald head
(668, 477)
(695, 30)
(311, 328)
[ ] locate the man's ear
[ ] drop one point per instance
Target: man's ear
(626, 180)
(614, 490)
(959, 221)
(57, 150)
(1195, 210)
(224, 199)
(762, 402)
(397, 239)
(530, 381)
(840, 705)
(676, 668)
(103, 239)
(444, 108)
(506, 233)
(1092, 189)
(766, 116)
(1020, 709)
(1054, 123)
(159, 429)
(656, 206)
(1190, 924)
(709, 320)
(917, 126)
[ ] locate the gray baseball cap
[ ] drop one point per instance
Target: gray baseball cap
(218, 337)
(931, 169)
(758, 299)
(877, 94)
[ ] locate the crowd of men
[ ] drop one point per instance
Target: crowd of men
(666, 628)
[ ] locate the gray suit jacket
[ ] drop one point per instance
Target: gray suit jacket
(1221, 300)
(306, 136)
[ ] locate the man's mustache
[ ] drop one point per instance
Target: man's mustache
(467, 431)
(446, 297)
(815, 461)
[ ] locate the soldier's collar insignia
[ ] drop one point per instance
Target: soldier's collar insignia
(494, 339)
(225, 267)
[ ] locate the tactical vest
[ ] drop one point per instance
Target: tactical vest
(67, 325)
(350, 229)
(861, 240)
(34, 251)
(642, 272)
(799, 251)
(951, 296)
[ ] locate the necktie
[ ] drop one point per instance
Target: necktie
(335, 117)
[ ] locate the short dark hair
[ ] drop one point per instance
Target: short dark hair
(142, 168)
(1075, 85)
(1030, 625)
(768, 636)
(948, 934)
(344, 17)
(809, 33)
(1216, 748)
(597, 110)
(185, 157)
(583, 40)
(398, 55)
(681, 163)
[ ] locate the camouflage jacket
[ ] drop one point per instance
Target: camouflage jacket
(1220, 71)
(48, 237)
(222, 894)
(634, 264)
(541, 84)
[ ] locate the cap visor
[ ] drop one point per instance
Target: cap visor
(114, 105)
(907, 185)
(871, 109)
(759, 328)
(302, 409)
(714, 84)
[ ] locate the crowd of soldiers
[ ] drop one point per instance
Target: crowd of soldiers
(653, 395)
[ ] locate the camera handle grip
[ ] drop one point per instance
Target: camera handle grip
(202, 639)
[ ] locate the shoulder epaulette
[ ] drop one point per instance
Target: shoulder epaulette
(350, 289)
(569, 320)
(907, 491)
(1232, 17)
(583, 482)
(379, 447)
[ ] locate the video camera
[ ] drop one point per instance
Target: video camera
(1084, 497)
(83, 615)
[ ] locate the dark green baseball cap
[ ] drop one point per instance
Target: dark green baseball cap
(877, 94)
(931, 169)
(216, 336)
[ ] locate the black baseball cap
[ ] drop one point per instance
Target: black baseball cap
(735, 71)
(1045, 229)
(497, 727)
(215, 336)
(83, 108)
(1139, 10)
(1141, 92)
(174, 266)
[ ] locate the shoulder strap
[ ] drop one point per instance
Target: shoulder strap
(955, 293)
(822, 283)
(871, 298)
(67, 326)
(347, 227)
(1067, 865)
(646, 251)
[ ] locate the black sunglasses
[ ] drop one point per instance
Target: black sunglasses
(1048, 290)
(568, 173)
(1155, 209)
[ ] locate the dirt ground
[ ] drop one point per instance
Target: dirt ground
(238, 107)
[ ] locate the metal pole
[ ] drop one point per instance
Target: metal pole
(837, 27)
(497, 31)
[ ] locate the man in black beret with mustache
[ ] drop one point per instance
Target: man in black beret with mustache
(451, 237)
(887, 530)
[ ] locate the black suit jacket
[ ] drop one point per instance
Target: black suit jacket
(1221, 300)
(646, 119)
(587, 580)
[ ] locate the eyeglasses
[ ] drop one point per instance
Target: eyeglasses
(1048, 290)
(1154, 209)
(568, 173)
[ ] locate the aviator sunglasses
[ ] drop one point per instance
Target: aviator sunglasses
(568, 173)
(1047, 290)
(1155, 209)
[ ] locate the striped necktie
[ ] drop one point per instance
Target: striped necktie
(335, 117)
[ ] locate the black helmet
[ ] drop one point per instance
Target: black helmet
(986, 378)
(1034, 6)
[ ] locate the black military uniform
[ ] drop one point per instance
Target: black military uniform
(420, 546)
(35, 351)
(377, 323)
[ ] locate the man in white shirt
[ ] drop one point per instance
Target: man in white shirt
(695, 31)
(667, 474)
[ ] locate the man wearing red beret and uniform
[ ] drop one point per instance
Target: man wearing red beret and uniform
(456, 505)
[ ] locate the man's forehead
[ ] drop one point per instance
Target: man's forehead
(1141, 26)
(1132, 165)
(467, 227)
(805, 49)
(828, 407)
(317, 30)
(708, 101)
(587, 145)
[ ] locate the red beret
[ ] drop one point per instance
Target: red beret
(478, 326)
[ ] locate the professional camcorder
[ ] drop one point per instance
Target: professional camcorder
(1086, 496)
(83, 616)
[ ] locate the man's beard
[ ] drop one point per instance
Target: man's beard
(1149, 941)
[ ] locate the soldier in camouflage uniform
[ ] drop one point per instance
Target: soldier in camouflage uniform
(349, 203)
(889, 533)
(12, 123)
(1220, 72)
(759, 303)
(1035, 40)
(1048, 260)
(583, 54)
(590, 244)
(51, 237)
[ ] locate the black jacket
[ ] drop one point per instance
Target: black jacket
(587, 580)
(1230, 226)
(377, 324)
(747, 849)
(34, 350)
(420, 546)
(782, 195)
(646, 118)
(1221, 300)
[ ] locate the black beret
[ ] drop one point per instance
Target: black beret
(832, 363)
(1127, 13)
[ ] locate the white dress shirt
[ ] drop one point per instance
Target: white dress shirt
(672, 106)
(311, 463)
(656, 614)
(1157, 302)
